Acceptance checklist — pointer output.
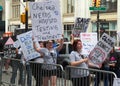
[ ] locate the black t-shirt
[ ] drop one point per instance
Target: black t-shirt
(1, 45)
(116, 56)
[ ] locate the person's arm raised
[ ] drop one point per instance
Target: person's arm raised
(34, 45)
(60, 45)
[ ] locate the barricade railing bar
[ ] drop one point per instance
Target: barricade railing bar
(39, 74)
(32, 74)
(95, 77)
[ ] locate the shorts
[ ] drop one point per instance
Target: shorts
(49, 73)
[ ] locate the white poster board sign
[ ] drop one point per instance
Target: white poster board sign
(102, 49)
(89, 40)
(26, 43)
(46, 20)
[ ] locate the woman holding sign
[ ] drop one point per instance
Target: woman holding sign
(79, 77)
(50, 57)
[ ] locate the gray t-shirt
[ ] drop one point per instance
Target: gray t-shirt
(78, 72)
(50, 57)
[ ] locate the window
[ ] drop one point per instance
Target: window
(111, 5)
(70, 6)
(15, 8)
(68, 30)
(107, 27)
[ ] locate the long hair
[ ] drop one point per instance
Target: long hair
(75, 44)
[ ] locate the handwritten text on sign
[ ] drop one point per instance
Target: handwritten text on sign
(89, 40)
(9, 51)
(46, 20)
(81, 25)
(102, 49)
(26, 43)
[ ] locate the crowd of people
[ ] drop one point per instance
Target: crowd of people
(48, 54)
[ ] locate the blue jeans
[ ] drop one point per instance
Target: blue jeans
(29, 75)
(117, 71)
(106, 80)
(15, 66)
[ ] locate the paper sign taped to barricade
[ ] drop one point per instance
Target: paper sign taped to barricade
(102, 49)
(116, 82)
(46, 20)
(26, 44)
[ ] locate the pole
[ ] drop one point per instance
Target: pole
(26, 17)
(98, 25)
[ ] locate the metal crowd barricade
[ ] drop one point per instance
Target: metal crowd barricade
(5, 75)
(33, 73)
(97, 77)
(42, 72)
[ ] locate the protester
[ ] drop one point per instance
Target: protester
(79, 77)
(50, 57)
(36, 66)
(111, 63)
(27, 70)
(114, 63)
(16, 64)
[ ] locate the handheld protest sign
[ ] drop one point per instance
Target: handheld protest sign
(81, 25)
(89, 40)
(26, 44)
(102, 49)
(46, 20)
(9, 50)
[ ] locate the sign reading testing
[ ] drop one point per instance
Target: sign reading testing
(46, 20)
(102, 49)
(26, 43)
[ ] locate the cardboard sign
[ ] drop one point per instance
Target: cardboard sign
(26, 44)
(81, 25)
(9, 50)
(89, 40)
(102, 49)
(46, 20)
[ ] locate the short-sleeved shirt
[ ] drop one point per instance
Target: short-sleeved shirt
(77, 72)
(50, 57)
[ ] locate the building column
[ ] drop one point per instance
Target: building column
(118, 15)
(82, 8)
(7, 14)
